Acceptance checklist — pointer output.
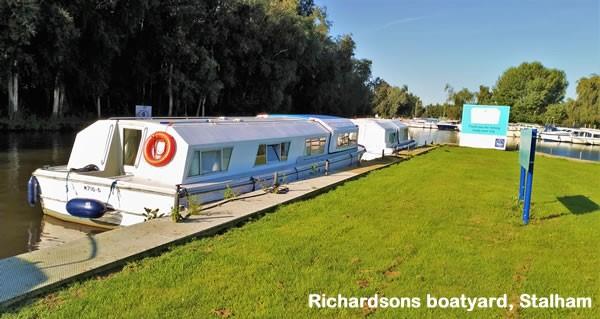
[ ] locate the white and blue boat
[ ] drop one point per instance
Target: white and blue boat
(382, 137)
(120, 167)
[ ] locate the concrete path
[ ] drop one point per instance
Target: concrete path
(37, 272)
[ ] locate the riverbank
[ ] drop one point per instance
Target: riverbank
(445, 223)
(35, 123)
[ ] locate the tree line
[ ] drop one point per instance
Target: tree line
(183, 57)
(91, 58)
(536, 94)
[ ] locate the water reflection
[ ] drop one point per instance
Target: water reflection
(585, 152)
(22, 228)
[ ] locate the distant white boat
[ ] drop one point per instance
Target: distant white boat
(120, 167)
(557, 134)
(382, 136)
(427, 123)
(514, 129)
(586, 136)
(449, 125)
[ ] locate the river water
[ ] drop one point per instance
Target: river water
(24, 228)
(585, 152)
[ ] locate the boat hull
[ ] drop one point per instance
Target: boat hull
(447, 127)
(129, 198)
(556, 137)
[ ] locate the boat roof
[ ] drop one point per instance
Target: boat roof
(383, 123)
(335, 124)
(231, 132)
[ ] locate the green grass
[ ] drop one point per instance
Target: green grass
(444, 223)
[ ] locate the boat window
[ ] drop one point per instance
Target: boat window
(226, 157)
(315, 146)
(285, 150)
(210, 161)
(274, 153)
(392, 138)
(261, 155)
(346, 139)
(131, 144)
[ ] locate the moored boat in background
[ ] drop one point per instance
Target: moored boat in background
(557, 134)
(382, 136)
(427, 123)
(448, 125)
(586, 136)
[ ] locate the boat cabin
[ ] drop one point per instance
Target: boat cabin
(160, 160)
(382, 136)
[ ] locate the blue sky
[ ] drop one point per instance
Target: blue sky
(428, 43)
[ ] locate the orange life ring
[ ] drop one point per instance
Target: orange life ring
(151, 154)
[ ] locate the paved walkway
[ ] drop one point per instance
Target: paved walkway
(37, 272)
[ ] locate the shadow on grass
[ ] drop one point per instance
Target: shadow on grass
(578, 204)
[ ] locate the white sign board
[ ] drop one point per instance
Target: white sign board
(143, 111)
(484, 126)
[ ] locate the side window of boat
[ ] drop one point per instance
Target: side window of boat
(315, 146)
(392, 137)
(346, 139)
(131, 145)
(269, 153)
(210, 161)
(261, 155)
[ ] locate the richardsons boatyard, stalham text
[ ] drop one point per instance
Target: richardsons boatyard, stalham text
(456, 302)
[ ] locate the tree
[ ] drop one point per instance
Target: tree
(586, 108)
(392, 101)
(484, 96)
(18, 20)
(56, 42)
(529, 88)
(457, 100)
(555, 114)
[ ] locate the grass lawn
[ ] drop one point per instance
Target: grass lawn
(445, 223)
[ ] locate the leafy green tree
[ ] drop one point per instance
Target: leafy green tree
(456, 100)
(555, 114)
(529, 88)
(585, 110)
(435, 110)
(484, 96)
(18, 22)
(56, 39)
(392, 101)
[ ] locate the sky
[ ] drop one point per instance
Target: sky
(426, 44)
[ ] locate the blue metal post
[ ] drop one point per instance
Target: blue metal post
(527, 204)
(522, 184)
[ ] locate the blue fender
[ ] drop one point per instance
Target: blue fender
(86, 207)
(33, 191)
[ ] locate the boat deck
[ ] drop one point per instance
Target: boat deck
(40, 271)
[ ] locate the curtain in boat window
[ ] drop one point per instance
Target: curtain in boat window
(346, 139)
(226, 158)
(195, 166)
(211, 161)
(285, 149)
(268, 153)
(315, 146)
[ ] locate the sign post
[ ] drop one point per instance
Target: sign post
(144, 111)
(484, 126)
(526, 160)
